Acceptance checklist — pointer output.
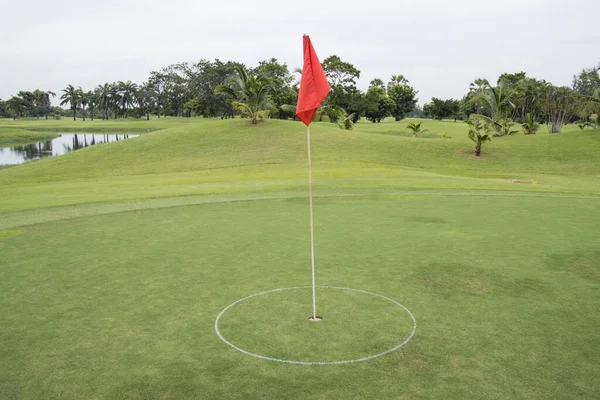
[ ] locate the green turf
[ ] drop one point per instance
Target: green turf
(116, 260)
(11, 136)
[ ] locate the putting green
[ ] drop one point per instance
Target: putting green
(360, 325)
(97, 296)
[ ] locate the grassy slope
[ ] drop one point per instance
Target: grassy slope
(10, 136)
(223, 157)
(122, 304)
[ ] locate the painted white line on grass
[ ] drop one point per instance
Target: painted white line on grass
(315, 362)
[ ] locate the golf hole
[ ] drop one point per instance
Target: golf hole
(387, 329)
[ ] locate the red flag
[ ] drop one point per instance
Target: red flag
(313, 85)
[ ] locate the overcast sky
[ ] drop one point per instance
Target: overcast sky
(440, 46)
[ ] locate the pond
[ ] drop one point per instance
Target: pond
(63, 144)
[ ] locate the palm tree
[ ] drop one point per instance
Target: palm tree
(38, 100)
(84, 100)
(115, 98)
(530, 127)
(102, 94)
(127, 91)
(87, 99)
(416, 128)
(71, 96)
(92, 104)
(249, 93)
(346, 122)
(591, 105)
(476, 135)
(42, 101)
(47, 101)
(497, 102)
(397, 80)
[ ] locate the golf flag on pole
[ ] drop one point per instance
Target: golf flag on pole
(313, 85)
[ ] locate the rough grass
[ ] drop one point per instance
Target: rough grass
(116, 260)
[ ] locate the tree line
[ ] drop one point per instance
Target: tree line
(270, 90)
(530, 101)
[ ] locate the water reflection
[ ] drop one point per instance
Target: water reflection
(63, 144)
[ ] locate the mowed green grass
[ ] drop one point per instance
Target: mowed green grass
(116, 260)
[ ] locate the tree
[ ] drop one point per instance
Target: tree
(440, 109)
(342, 78)
(115, 98)
(42, 101)
(497, 101)
(511, 80)
(249, 94)
(478, 84)
(71, 96)
(377, 83)
(526, 98)
(92, 103)
(126, 91)
(27, 103)
(416, 128)
(471, 103)
(398, 80)
(145, 98)
(204, 80)
(16, 107)
(587, 81)
(175, 88)
(343, 119)
(191, 107)
(455, 108)
(591, 105)
(377, 104)
(478, 133)
(281, 83)
(346, 122)
(403, 95)
(84, 99)
(340, 73)
(158, 80)
(428, 110)
(559, 103)
(497, 105)
(530, 127)
(103, 96)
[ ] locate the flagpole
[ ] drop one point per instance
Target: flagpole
(312, 235)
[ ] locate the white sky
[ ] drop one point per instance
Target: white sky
(440, 46)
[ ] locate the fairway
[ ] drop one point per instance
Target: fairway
(118, 258)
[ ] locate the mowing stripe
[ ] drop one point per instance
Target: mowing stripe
(14, 219)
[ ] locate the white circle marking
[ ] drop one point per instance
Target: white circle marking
(315, 362)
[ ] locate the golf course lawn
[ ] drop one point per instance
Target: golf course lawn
(117, 259)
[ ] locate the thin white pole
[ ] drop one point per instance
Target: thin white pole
(312, 235)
